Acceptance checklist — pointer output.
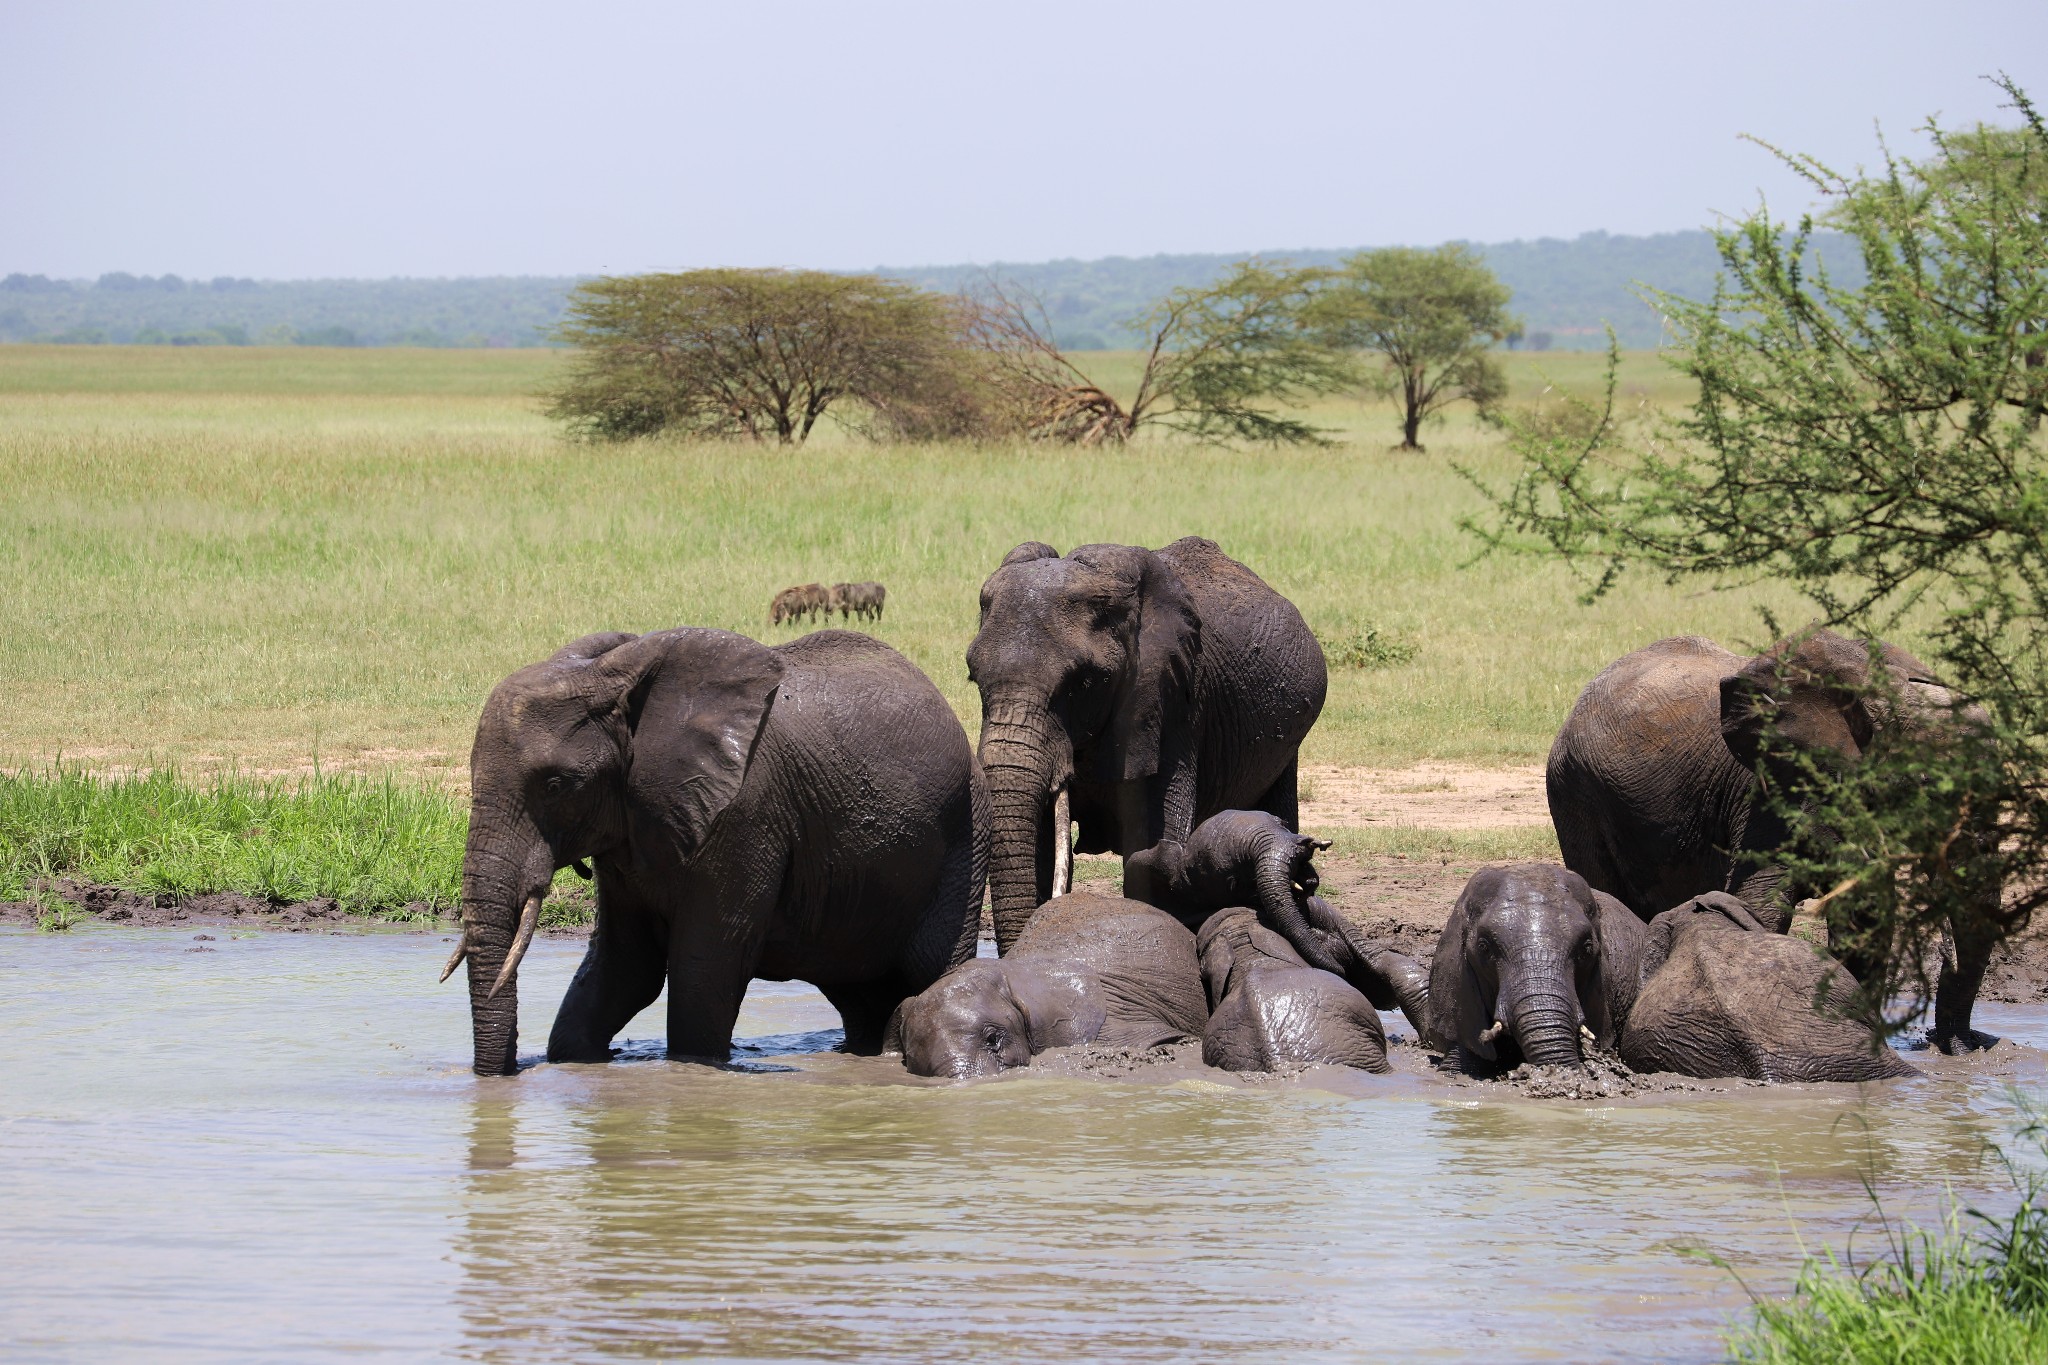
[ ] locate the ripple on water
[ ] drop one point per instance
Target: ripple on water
(276, 1148)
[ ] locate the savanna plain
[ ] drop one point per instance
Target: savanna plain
(250, 603)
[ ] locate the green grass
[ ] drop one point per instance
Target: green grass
(374, 845)
(267, 559)
(1977, 1291)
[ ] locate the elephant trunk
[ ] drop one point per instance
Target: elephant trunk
(1545, 1025)
(504, 881)
(1026, 757)
(1277, 878)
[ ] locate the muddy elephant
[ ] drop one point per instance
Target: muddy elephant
(1129, 694)
(1270, 1010)
(1253, 859)
(1654, 778)
(1722, 996)
(1088, 969)
(1532, 963)
(743, 821)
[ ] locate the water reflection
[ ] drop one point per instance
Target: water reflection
(276, 1148)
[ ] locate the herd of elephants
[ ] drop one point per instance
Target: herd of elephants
(814, 811)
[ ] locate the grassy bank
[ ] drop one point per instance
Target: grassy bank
(1977, 1291)
(373, 845)
(231, 556)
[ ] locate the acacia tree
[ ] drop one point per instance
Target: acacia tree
(756, 353)
(1433, 317)
(1220, 363)
(1881, 448)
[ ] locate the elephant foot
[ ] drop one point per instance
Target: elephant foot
(1966, 1041)
(559, 1054)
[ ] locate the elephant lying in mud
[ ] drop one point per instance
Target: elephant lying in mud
(1532, 963)
(1087, 969)
(1655, 777)
(1269, 1010)
(1253, 859)
(1130, 694)
(743, 821)
(1722, 996)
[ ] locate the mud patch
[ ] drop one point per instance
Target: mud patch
(1113, 1063)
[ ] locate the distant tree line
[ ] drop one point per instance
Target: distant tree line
(765, 354)
(1567, 293)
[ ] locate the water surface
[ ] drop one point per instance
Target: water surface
(275, 1148)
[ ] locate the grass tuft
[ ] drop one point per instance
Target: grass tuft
(372, 845)
(1977, 1290)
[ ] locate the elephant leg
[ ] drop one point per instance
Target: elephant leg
(1967, 954)
(621, 975)
(1283, 798)
(864, 1008)
(711, 960)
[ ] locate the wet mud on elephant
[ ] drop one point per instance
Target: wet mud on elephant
(811, 811)
(1127, 695)
(1271, 1011)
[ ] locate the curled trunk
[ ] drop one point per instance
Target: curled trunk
(1546, 1029)
(1279, 907)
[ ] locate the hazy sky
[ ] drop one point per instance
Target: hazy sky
(366, 139)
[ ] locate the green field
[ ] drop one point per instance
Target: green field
(268, 559)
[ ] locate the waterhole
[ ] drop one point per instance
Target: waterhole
(275, 1147)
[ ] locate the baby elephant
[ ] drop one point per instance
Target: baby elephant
(1269, 1009)
(1532, 963)
(1723, 996)
(1086, 969)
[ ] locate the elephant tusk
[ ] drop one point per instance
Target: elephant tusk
(455, 958)
(1493, 1032)
(1587, 1034)
(1062, 846)
(529, 920)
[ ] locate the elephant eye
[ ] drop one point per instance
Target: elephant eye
(994, 1039)
(555, 784)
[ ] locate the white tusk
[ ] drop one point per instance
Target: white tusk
(461, 951)
(1494, 1032)
(1062, 846)
(1587, 1034)
(529, 920)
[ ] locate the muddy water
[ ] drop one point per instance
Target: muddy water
(274, 1148)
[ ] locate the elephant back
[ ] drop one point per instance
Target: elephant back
(1143, 957)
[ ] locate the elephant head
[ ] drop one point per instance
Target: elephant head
(1086, 666)
(984, 1017)
(1529, 958)
(617, 746)
(1818, 694)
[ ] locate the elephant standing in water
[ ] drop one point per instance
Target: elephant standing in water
(1654, 778)
(1131, 693)
(811, 811)
(1531, 962)
(1086, 969)
(1723, 996)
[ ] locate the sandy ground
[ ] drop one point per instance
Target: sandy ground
(1427, 795)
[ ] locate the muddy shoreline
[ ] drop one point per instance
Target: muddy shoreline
(1400, 899)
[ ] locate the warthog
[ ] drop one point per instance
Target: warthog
(859, 599)
(794, 604)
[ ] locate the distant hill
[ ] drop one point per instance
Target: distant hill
(1566, 292)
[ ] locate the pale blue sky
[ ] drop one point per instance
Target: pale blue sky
(372, 139)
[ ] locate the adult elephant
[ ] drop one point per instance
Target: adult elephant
(1654, 779)
(744, 819)
(1131, 694)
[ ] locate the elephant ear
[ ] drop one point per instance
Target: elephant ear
(892, 1033)
(1453, 985)
(591, 646)
(1613, 994)
(1164, 635)
(693, 703)
(1028, 551)
(1814, 692)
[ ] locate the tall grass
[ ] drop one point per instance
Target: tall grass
(1975, 1291)
(248, 558)
(371, 845)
